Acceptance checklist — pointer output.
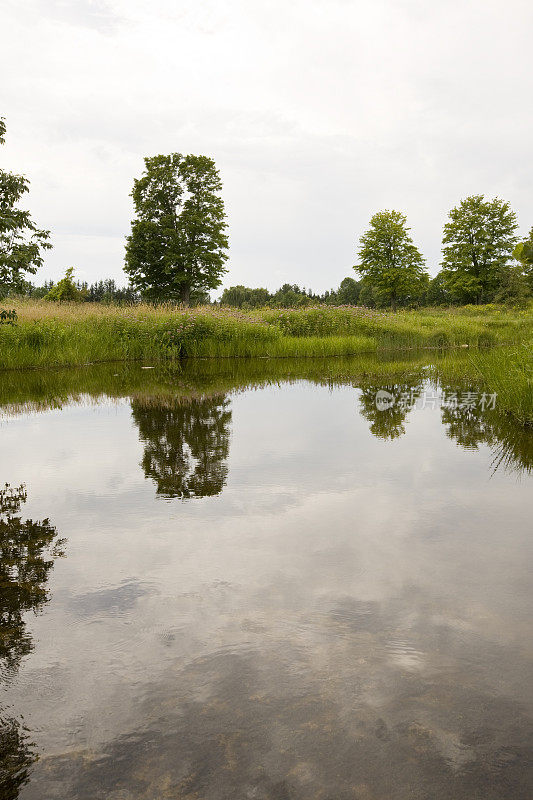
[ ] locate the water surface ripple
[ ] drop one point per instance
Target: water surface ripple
(219, 587)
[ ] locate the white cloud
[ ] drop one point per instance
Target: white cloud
(317, 113)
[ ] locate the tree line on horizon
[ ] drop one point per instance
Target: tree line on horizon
(483, 262)
(177, 249)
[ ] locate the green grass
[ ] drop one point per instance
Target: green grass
(49, 334)
(509, 373)
(282, 347)
(431, 327)
(506, 371)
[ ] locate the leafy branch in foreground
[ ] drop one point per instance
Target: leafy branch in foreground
(21, 241)
(523, 253)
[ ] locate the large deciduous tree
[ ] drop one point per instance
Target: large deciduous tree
(478, 242)
(389, 261)
(21, 241)
(178, 240)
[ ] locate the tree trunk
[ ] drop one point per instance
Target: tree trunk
(185, 293)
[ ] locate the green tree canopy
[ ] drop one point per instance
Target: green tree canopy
(178, 240)
(243, 297)
(514, 289)
(348, 292)
(66, 290)
(21, 242)
(389, 260)
(290, 296)
(367, 295)
(523, 253)
(478, 241)
(438, 293)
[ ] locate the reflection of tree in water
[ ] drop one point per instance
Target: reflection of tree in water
(27, 553)
(471, 426)
(389, 423)
(16, 757)
(466, 425)
(186, 445)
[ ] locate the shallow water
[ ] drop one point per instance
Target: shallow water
(254, 588)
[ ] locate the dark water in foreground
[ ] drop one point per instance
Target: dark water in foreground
(279, 592)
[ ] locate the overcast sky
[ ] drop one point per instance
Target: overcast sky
(318, 113)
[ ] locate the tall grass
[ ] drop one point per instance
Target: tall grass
(472, 325)
(509, 373)
(50, 334)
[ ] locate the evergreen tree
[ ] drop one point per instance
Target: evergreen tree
(66, 289)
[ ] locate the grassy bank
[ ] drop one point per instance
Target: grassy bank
(506, 371)
(49, 334)
(509, 373)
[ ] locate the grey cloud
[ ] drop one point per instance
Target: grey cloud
(318, 114)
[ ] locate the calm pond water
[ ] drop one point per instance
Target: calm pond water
(253, 583)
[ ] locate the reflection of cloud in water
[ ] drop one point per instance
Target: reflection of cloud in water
(345, 619)
(271, 722)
